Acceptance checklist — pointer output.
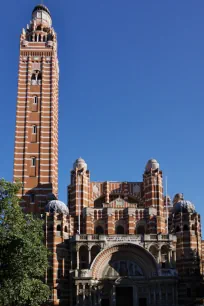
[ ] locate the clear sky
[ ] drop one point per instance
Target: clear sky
(131, 88)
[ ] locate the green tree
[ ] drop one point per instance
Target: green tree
(23, 255)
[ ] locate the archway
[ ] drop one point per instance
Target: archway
(154, 251)
(99, 230)
(120, 230)
(124, 266)
(83, 257)
(94, 252)
(121, 258)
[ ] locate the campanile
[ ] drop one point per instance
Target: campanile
(36, 136)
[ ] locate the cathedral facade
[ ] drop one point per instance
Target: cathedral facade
(114, 243)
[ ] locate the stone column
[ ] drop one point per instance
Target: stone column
(77, 250)
(84, 296)
(159, 257)
(174, 256)
(169, 256)
(90, 297)
(113, 296)
(98, 298)
(94, 298)
(77, 295)
(89, 250)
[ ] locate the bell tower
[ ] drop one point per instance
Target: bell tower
(36, 136)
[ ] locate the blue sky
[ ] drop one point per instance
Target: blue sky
(131, 88)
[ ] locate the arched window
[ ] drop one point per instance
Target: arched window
(83, 257)
(34, 129)
(65, 229)
(58, 227)
(193, 227)
(120, 230)
(185, 227)
(154, 251)
(99, 230)
(94, 251)
(35, 100)
(164, 255)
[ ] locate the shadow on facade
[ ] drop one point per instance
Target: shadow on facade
(191, 283)
(35, 200)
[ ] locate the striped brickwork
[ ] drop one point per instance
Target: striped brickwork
(36, 136)
(189, 255)
(131, 205)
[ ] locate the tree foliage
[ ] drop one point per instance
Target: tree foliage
(23, 255)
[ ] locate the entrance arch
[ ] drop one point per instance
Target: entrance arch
(123, 260)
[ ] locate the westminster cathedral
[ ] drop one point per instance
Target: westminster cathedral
(112, 243)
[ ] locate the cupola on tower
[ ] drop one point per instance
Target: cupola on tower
(36, 137)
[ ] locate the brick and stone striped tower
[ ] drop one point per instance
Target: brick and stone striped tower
(36, 137)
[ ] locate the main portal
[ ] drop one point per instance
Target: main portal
(124, 296)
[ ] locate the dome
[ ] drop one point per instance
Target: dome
(152, 164)
(178, 197)
(41, 16)
(80, 164)
(41, 7)
(183, 206)
(56, 206)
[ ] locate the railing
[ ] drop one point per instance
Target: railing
(117, 238)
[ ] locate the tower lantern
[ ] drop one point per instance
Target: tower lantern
(41, 15)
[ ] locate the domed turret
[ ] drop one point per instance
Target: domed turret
(184, 206)
(56, 206)
(181, 205)
(152, 164)
(41, 15)
(80, 164)
(41, 7)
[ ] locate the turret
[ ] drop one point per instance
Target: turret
(187, 227)
(153, 193)
(78, 191)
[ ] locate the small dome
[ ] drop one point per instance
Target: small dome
(178, 197)
(184, 207)
(152, 164)
(56, 206)
(41, 7)
(80, 164)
